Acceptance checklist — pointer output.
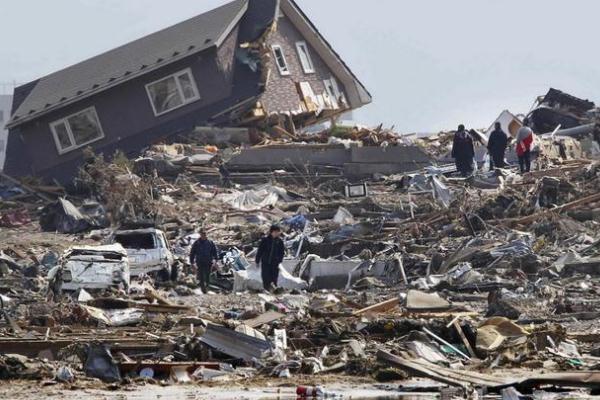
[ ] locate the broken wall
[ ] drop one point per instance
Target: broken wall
(356, 161)
(281, 94)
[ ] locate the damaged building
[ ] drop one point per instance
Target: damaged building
(249, 63)
(5, 103)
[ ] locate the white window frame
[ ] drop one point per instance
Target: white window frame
(330, 91)
(185, 101)
(67, 125)
(283, 72)
(307, 65)
(337, 94)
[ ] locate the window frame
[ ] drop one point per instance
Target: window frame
(184, 101)
(308, 69)
(282, 72)
(329, 89)
(335, 91)
(65, 122)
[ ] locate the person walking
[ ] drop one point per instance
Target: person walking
(269, 255)
(203, 255)
(463, 151)
(524, 145)
(497, 143)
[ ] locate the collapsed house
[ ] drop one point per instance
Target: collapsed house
(559, 110)
(249, 63)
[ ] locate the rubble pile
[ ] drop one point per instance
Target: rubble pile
(487, 283)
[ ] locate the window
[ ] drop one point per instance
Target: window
(76, 130)
(136, 241)
(280, 60)
(305, 60)
(333, 91)
(172, 92)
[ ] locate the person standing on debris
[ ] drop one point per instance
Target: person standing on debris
(524, 144)
(497, 147)
(269, 255)
(463, 151)
(225, 175)
(203, 255)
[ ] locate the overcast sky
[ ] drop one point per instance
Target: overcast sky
(429, 64)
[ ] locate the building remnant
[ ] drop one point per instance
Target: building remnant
(249, 63)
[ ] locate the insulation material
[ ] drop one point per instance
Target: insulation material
(251, 279)
(257, 199)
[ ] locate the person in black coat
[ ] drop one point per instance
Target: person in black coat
(203, 255)
(497, 144)
(463, 151)
(269, 255)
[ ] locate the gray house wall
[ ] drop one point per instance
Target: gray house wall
(281, 94)
(5, 107)
(126, 115)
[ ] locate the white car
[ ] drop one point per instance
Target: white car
(91, 267)
(148, 250)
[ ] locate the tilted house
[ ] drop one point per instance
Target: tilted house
(247, 63)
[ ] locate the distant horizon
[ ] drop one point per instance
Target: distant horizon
(427, 71)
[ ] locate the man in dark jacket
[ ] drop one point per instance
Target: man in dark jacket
(497, 143)
(269, 255)
(463, 151)
(203, 255)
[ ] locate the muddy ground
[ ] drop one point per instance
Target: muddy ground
(278, 389)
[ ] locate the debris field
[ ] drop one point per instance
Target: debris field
(398, 272)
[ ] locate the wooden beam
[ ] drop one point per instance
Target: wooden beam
(25, 186)
(460, 332)
(565, 207)
(379, 307)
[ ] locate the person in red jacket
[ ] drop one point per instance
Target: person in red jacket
(524, 144)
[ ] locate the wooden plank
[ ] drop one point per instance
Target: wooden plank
(568, 206)
(263, 319)
(165, 367)
(24, 186)
(379, 307)
(439, 339)
(441, 374)
(111, 303)
(463, 338)
(282, 131)
(432, 315)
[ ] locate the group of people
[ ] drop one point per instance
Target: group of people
(463, 149)
(270, 253)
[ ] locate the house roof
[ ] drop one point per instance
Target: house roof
(128, 61)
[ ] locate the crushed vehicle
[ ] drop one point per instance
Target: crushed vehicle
(148, 250)
(91, 267)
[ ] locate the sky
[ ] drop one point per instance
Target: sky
(429, 64)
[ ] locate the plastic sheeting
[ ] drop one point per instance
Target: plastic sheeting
(63, 217)
(257, 199)
(100, 364)
(441, 192)
(251, 279)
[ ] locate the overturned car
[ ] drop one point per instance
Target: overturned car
(91, 267)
